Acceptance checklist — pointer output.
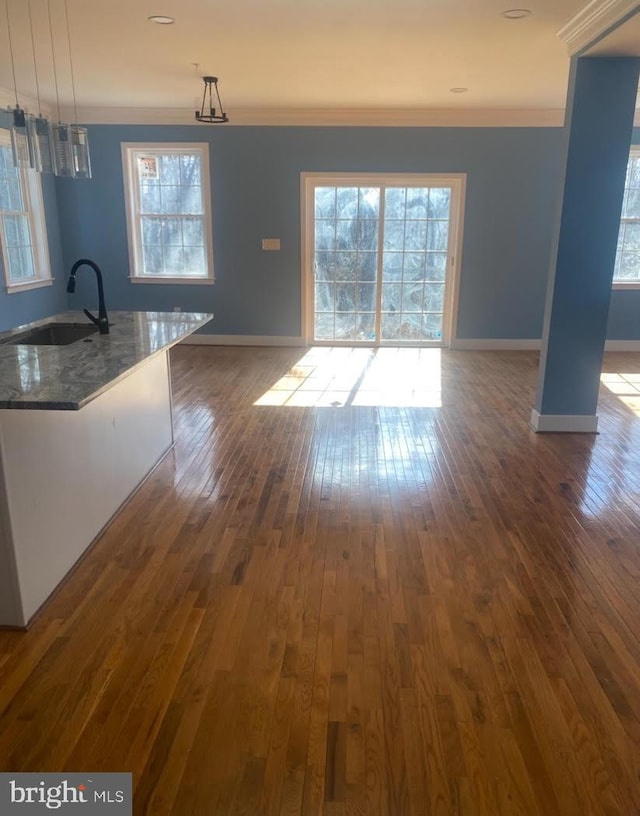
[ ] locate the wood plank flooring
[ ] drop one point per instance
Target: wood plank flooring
(333, 598)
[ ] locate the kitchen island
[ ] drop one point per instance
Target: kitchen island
(81, 426)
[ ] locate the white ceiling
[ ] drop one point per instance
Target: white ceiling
(623, 41)
(295, 54)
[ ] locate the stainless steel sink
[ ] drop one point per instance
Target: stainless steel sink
(52, 334)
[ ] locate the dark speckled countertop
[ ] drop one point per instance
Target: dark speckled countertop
(68, 377)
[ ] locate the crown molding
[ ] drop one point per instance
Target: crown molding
(288, 117)
(312, 117)
(29, 103)
(594, 20)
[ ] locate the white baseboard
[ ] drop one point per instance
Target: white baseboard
(531, 345)
(494, 344)
(241, 340)
(485, 344)
(622, 345)
(563, 423)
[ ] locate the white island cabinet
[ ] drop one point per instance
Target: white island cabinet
(81, 426)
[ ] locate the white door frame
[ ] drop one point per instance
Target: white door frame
(456, 181)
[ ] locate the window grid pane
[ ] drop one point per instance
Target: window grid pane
(415, 237)
(627, 265)
(346, 262)
(15, 223)
(172, 226)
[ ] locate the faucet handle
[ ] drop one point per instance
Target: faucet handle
(91, 317)
(101, 322)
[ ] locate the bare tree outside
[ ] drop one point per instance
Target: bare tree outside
(413, 264)
(346, 262)
(627, 266)
(172, 219)
(14, 221)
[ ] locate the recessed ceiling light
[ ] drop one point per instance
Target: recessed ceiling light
(458, 90)
(517, 14)
(160, 19)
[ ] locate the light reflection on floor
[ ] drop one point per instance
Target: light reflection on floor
(626, 388)
(341, 376)
(612, 476)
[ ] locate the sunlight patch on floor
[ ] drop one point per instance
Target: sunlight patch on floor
(340, 376)
(626, 387)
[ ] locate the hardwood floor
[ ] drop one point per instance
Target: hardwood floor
(320, 604)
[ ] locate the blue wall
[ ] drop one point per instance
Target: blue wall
(22, 307)
(584, 252)
(511, 194)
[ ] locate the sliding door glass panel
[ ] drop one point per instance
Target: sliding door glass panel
(346, 263)
(414, 263)
(380, 263)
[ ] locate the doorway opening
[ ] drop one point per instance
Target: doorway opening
(381, 258)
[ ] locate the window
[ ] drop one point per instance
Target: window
(380, 254)
(168, 212)
(23, 231)
(627, 270)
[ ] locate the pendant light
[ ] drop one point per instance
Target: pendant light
(78, 135)
(39, 127)
(209, 113)
(70, 141)
(20, 148)
(63, 163)
(22, 156)
(58, 148)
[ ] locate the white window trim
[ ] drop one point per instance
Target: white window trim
(132, 208)
(31, 186)
(628, 284)
(458, 184)
(634, 153)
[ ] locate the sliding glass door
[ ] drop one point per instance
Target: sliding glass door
(380, 255)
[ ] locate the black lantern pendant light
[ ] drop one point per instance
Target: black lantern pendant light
(208, 112)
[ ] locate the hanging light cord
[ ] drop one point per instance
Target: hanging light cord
(35, 64)
(53, 56)
(73, 85)
(222, 113)
(13, 65)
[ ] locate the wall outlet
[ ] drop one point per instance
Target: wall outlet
(177, 308)
(271, 243)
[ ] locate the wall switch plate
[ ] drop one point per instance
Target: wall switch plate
(271, 243)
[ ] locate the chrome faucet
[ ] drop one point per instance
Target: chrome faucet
(101, 320)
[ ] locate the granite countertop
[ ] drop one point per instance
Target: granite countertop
(68, 377)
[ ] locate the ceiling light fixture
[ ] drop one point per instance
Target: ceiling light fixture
(20, 148)
(77, 134)
(39, 127)
(458, 90)
(517, 13)
(161, 19)
(209, 113)
(63, 159)
(57, 148)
